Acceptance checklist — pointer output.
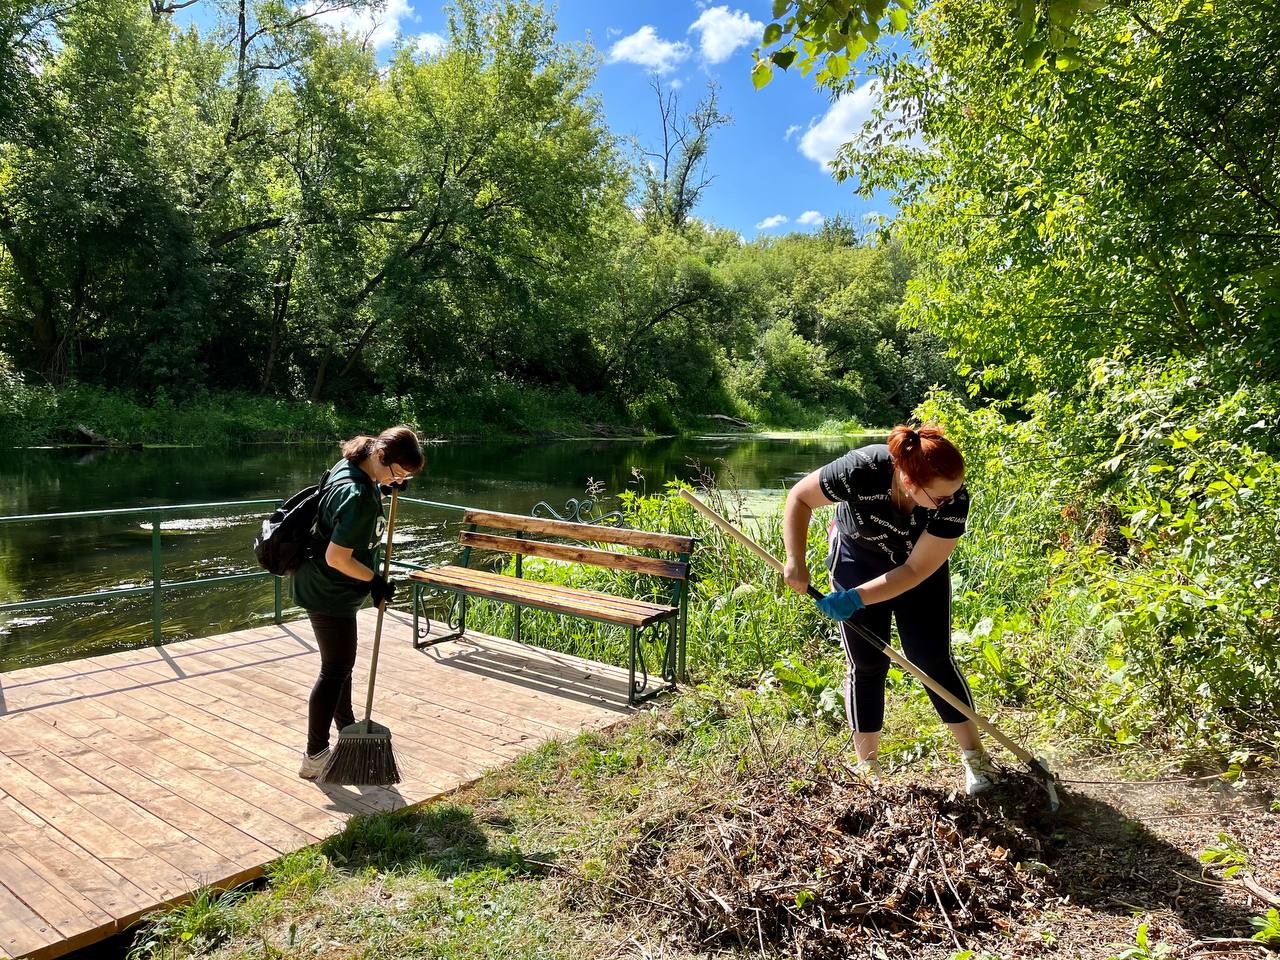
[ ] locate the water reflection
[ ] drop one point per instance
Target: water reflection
(64, 557)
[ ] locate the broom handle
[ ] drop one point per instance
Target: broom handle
(382, 607)
(984, 724)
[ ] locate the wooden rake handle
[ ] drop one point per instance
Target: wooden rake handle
(985, 725)
(382, 607)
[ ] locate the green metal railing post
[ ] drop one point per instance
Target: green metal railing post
(279, 611)
(156, 589)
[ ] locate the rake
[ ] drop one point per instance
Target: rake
(1038, 769)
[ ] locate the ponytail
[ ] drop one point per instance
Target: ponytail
(399, 445)
(924, 454)
(357, 449)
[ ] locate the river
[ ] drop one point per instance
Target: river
(52, 558)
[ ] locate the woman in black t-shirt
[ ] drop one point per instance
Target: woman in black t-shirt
(901, 508)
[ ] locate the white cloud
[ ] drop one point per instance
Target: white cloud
(724, 32)
(612, 32)
(843, 123)
(647, 49)
(676, 84)
(428, 44)
(810, 218)
(380, 27)
(840, 124)
(872, 218)
(791, 132)
(768, 223)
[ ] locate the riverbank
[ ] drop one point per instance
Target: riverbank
(32, 416)
(588, 848)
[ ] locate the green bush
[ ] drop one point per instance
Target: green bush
(1120, 568)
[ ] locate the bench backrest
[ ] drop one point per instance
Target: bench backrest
(582, 532)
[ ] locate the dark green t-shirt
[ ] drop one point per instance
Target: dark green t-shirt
(350, 515)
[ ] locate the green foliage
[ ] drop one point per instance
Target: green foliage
(1267, 927)
(1058, 215)
(1138, 595)
(209, 919)
(1227, 854)
(255, 208)
(829, 38)
(826, 335)
(1142, 948)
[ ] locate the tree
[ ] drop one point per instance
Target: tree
(1058, 215)
(833, 34)
(676, 173)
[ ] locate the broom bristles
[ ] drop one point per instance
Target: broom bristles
(363, 757)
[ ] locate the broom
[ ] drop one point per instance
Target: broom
(363, 756)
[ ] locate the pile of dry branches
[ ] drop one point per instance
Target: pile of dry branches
(813, 865)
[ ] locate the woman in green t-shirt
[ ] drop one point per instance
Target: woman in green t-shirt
(332, 584)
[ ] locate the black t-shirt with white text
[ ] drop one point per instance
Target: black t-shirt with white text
(860, 482)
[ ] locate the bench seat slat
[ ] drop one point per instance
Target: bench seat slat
(460, 574)
(597, 533)
(560, 599)
(559, 551)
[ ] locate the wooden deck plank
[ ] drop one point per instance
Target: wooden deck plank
(68, 865)
(229, 722)
(210, 784)
(101, 839)
(403, 672)
(129, 780)
(283, 684)
(279, 684)
(69, 915)
(22, 930)
(191, 727)
(251, 702)
(186, 818)
(127, 812)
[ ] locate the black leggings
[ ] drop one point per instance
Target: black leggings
(331, 696)
(924, 626)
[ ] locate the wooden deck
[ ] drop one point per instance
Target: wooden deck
(129, 780)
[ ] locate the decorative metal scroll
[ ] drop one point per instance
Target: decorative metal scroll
(455, 620)
(576, 511)
(658, 637)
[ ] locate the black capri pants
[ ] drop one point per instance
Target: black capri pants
(923, 614)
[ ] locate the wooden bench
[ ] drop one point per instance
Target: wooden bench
(663, 626)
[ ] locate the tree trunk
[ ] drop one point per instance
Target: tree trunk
(280, 294)
(318, 386)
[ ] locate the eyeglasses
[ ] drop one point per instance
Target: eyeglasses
(938, 502)
(398, 477)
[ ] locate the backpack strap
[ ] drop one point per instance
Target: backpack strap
(318, 537)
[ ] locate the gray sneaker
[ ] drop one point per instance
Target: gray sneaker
(312, 766)
(980, 773)
(869, 769)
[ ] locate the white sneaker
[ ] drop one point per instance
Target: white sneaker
(870, 769)
(312, 766)
(980, 773)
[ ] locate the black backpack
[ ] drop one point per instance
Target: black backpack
(288, 535)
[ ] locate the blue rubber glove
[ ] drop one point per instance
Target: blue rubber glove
(840, 604)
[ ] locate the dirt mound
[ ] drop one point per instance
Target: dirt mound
(817, 865)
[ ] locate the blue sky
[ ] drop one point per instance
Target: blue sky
(769, 165)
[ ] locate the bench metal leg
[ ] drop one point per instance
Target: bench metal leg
(631, 670)
(639, 691)
(421, 636)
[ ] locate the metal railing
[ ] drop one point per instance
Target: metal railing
(158, 587)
